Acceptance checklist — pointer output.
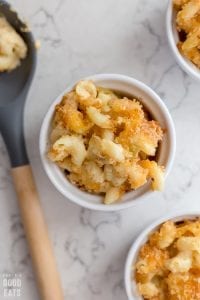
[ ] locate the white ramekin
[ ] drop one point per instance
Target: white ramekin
(173, 39)
(157, 108)
(130, 283)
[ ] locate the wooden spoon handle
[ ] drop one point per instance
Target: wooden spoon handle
(37, 234)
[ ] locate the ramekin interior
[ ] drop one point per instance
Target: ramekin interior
(158, 110)
(173, 39)
(130, 284)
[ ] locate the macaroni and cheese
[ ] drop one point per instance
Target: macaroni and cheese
(105, 143)
(168, 264)
(12, 47)
(188, 25)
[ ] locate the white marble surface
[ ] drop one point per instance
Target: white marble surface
(79, 38)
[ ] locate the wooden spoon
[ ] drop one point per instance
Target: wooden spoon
(13, 90)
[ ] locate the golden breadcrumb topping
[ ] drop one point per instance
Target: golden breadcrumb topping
(104, 142)
(168, 264)
(188, 25)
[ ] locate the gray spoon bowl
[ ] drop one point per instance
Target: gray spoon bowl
(14, 87)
